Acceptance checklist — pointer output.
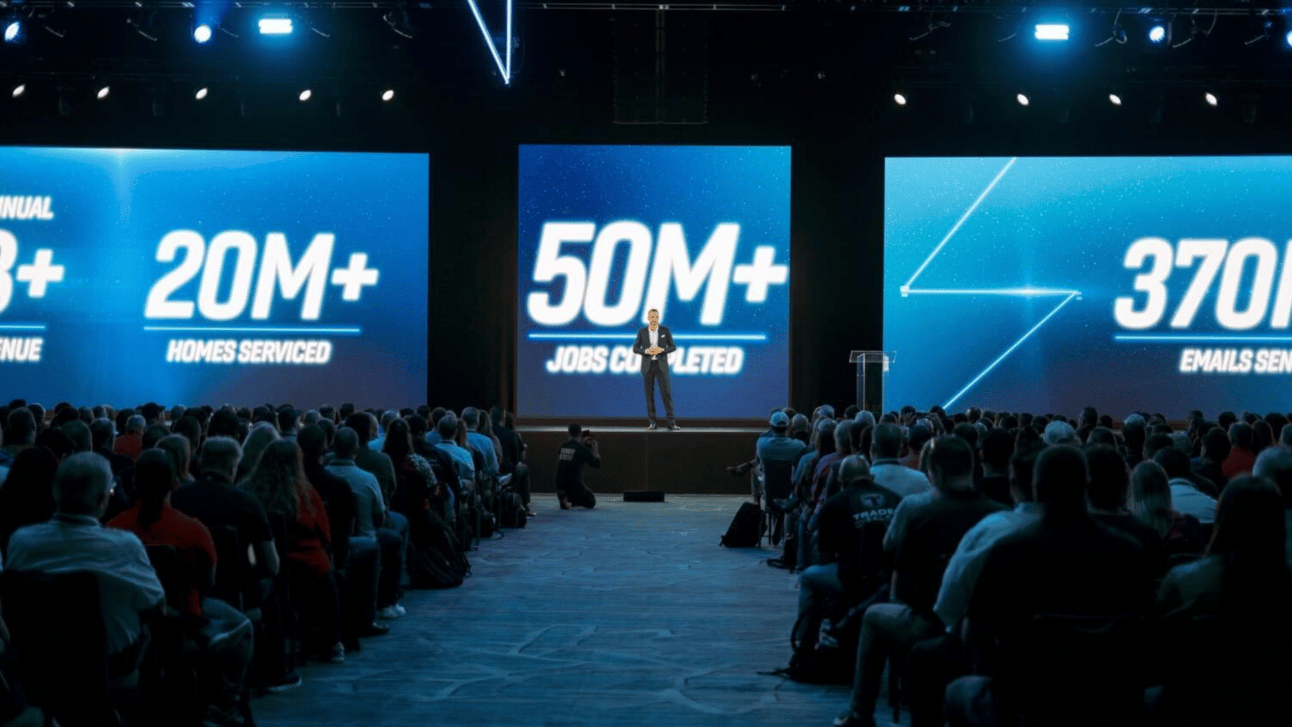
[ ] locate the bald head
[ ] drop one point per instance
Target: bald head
(854, 469)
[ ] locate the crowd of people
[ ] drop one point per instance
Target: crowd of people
(260, 538)
(1007, 568)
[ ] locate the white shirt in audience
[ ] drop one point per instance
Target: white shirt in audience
(903, 480)
(1185, 498)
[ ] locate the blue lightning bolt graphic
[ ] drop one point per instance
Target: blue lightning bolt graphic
(1029, 292)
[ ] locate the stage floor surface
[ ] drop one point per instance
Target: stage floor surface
(630, 614)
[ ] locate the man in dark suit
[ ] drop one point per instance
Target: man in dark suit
(654, 343)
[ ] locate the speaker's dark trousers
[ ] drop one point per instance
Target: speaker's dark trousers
(655, 371)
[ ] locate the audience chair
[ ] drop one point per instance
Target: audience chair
(168, 677)
(1085, 670)
(777, 485)
(290, 619)
(56, 622)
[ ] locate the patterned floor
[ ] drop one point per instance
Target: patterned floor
(628, 615)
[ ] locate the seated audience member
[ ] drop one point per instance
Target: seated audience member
(1134, 432)
(257, 440)
(482, 442)
(1262, 436)
(996, 449)
(369, 459)
(1184, 443)
(915, 440)
(1060, 432)
(887, 470)
(842, 518)
(1210, 463)
(779, 448)
(463, 462)
(1234, 668)
(177, 448)
(1107, 495)
(1149, 501)
(935, 662)
(1086, 423)
(446, 472)
(1066, 563)
(19, 432)
(1185, 497)
(1241, 458)
(579, 450)
(931, 537)
(1285, 435)
(1275, 465)
(216, 502)
(27, 496)
(225, 634)
(131, 441)
(101, 435)
(1102, 435)
(79, 434)
(370, 525)
(73, 540)
(279, 483)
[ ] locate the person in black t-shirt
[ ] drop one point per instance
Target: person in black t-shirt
(1109, 482)
(843, 519)
(932, 534)
(578, 450)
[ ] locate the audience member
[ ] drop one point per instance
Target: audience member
(131, 441)
(996, 449)
(1107, 494)
(1150, 502)
(1230, 609)
(1241, 458)
(887, 470)
(372, 460)
(1066, 563)
(27, 496)
(74, 540)
(223, 635)
(931, 537)
(1185, 497)
(1212, 457)
(278, 481)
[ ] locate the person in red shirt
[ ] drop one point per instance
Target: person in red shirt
(130, 443)
(225, 632)
(279, 482)
(1241, 458)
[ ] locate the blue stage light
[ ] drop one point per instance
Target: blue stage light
(275, 26)
(1288, 39)
(202, 33)
(1157, 33)
(12, 31)
(1052, 31)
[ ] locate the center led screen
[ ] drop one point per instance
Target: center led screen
(1129, 284)
(189, 277)
(608, 233)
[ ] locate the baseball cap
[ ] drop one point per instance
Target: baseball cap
(779, 420)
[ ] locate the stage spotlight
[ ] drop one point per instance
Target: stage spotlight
(388, 95)
(1052, 31)
(19, 90)
(12, 31)
(1211, 99)
(1115, 99)
(202, 93)
(275, 26)
(1157, 33)
(103, 92)
(202, 33)
(1288, 39)
(306, 95)
(899, 98)
(1022, 99)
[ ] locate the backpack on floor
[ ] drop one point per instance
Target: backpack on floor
(437, 560)
(825, 661)
(511, 511)
(745, 528)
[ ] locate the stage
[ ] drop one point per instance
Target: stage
(692, 461)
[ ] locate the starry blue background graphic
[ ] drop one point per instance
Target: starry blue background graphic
(112, 208)
(1066, 223)
(698, 187)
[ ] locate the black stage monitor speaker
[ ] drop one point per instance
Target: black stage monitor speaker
(644, 496)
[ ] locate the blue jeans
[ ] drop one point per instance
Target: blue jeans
(229, 648)
(816, 583)
(393, 551)
(363, 572)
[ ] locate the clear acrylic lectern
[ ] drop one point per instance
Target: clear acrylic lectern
(872, 372)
